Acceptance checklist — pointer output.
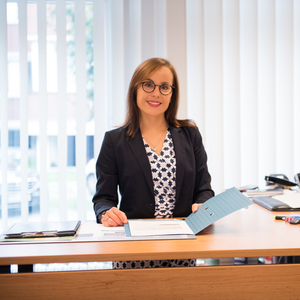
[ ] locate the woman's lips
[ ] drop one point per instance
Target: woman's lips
(154, 103)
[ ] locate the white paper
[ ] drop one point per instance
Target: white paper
(293, 199)
(94, 230)
(159, 227)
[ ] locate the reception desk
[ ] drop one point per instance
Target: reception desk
(249, 232)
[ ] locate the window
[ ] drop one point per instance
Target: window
(48, 152)
(238, 67)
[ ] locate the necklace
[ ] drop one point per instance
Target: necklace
(154, 146)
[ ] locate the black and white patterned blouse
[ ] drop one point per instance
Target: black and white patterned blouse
(163, 168)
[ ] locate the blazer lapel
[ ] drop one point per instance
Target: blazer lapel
(179, 147)
(137, 146)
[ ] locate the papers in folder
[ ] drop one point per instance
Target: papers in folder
(209, 212)
(42, 229)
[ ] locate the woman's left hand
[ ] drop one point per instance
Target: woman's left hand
(195, 207)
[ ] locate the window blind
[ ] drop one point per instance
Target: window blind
(3, 110)
(238, 64)
(43, 105)
(80, 58)
(100, 81)
(22, 8)
(62, 106)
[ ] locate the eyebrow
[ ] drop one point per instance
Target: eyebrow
(161, 82)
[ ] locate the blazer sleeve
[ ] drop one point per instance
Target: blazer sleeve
(106, 195)
(203, 190)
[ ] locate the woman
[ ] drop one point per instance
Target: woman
(157, 161)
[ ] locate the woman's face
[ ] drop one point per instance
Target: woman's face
(155, 104)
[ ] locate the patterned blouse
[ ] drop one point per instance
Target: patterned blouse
(163, 170)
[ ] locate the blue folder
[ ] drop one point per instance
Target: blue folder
(216, 208)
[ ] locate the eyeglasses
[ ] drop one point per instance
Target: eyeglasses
(149, 87)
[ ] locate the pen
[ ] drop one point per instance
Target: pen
(285, 217)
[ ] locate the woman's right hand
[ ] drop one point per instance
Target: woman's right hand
(114, 217)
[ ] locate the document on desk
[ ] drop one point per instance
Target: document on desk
(291, 199)
(159, 227)
(209, 212)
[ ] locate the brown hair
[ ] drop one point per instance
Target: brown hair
(140, 74)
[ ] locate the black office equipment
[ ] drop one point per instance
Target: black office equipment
(42, 229)
(279, 180)
(273, 204)
(297, 179)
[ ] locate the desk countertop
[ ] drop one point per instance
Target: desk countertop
(249, 232)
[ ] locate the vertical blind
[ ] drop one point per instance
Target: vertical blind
(3, 110)
(238, 64)
(23, 105)
(43, 104)
(62, 107)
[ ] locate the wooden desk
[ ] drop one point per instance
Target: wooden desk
(250, 232)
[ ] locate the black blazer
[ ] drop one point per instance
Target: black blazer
(123, 162)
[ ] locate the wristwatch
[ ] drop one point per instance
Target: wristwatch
(100, 216)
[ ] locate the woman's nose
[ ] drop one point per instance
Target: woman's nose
(156, 91)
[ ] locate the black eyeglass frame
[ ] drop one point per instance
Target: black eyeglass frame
(155, 85)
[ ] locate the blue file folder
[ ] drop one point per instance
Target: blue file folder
(216, 208)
